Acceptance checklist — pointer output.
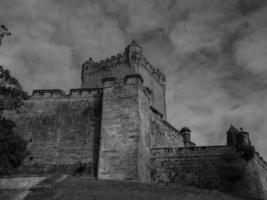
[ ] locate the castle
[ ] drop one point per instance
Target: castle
(114, 127)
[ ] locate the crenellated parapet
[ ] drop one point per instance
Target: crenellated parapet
(57, 93)
(51, 93)
(90, 67)
(189, 151)
(131, 56)
(127, 80)
(156, 73)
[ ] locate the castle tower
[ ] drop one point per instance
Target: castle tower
(186, 133)
(232, 135)
(133, 52)
(243, 138)
(236, 137)
(123, 149)
(131, 61)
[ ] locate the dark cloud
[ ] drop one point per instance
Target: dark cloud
(248, 6)
(212, 51)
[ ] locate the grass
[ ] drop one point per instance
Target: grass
(82, 188)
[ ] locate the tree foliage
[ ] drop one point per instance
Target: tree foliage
(12, 146)
(11, 92)
(246, 151)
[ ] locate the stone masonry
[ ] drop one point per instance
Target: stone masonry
(61, 130)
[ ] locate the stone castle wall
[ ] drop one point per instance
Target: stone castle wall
(211, 167)
(190, 165)
(254, 183)
(110, 130)
(62, 130)
(119, 130)
(163, 135)
(144, 103)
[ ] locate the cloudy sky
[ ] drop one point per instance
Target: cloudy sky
(214, 53)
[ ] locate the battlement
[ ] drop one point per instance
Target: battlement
(189, 151)
(90, 67)
(128, 80)
(108, 62)
(57, 94)
(129, 56)
(86, 92)
(156, 73)
(53, 93)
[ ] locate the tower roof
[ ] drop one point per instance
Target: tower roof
(233, 129)
(133, 43)
(184, 129)
(88, 62)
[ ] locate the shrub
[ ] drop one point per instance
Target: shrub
(82, 168)
(12, 147)
(247, 152)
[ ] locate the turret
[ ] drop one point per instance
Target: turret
(133, 52)
(237, 137)
(243, 138)
(232, 135)
(186, 133)
(86, 67)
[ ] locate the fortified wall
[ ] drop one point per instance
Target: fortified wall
(107, 131)
(62, 130)
(233, 168)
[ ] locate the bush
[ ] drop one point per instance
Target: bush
(82, 168)
(247, 152)
(12, 147)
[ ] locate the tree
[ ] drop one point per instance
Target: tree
(3, 32)
(12, 146)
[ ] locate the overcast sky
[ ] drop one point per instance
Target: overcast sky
(213, 52)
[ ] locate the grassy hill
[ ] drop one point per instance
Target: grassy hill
(82, 188)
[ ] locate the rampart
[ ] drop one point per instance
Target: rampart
(163, 134)
(62, 130)
(198, 151)
(212, 167)
(59, 94)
